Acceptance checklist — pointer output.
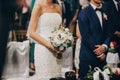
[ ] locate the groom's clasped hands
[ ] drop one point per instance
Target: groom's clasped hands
(99, 51)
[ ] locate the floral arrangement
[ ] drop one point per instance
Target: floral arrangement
(105, 17)
(61, 38)
(112, 48)
(114, 72)
(112, 55)
(108, 73)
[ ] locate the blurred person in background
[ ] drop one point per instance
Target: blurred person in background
(22, 15)
(112, 8)
(67, 57)
(66, 12)
(25, 14)
(29, 2)
(84, 4)
(32, 45)
(32, 5)
(75, 10)
(106, 0)
(77, 50)
(7, 17)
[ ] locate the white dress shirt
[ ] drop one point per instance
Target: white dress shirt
(99, 14)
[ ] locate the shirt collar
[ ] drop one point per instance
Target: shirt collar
(94, 7)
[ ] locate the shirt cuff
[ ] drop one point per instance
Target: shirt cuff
(106, 47)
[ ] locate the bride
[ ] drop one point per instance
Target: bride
(45, 17)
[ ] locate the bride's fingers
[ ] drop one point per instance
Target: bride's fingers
(57, 51)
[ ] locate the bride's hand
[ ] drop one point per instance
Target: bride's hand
(51, 47)
(60, 52)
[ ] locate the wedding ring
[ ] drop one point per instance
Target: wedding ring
(100, 55)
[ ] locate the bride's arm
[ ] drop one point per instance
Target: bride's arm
(33, 26)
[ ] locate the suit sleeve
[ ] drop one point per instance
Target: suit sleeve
(84, 26)
(109, 30)
(107, 33)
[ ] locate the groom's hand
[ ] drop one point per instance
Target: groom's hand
(99, 49)
(103, 57)
(117, 33)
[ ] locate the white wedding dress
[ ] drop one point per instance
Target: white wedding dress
(46, 63)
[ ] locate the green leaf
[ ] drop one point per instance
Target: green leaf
(112, 50)
(61, 48)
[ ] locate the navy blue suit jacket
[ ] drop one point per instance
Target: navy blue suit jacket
(7, 10)
(113, 15)
(67, 14)
(92, 33)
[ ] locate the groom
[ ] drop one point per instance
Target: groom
(93, 26)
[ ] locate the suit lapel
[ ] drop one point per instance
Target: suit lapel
(94, 16)
(114, 7)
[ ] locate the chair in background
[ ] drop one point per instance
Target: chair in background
(20, 35)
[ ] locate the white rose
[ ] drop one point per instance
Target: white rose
(66, 29)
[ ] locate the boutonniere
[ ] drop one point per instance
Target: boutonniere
(105, 17)
(84, 6)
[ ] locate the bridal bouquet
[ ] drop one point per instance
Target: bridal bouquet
(61, 38)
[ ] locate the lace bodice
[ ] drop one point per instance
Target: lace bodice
(46, 63)
(47, 22)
